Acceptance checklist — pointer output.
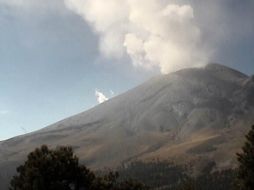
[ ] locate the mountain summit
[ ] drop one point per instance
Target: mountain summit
(197, 114)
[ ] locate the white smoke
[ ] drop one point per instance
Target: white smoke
(154, 33)
(100, 97)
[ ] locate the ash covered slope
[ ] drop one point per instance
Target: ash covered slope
(192, 113)
(167, 102)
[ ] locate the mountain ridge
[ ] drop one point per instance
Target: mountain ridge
(189, 115)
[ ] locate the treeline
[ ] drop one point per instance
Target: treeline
(59, 169)
(168, 176)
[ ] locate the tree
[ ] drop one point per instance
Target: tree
(52, 170)
(245, 176)
(59, 169)
(111, 181)
(105, 182)
(131, 185)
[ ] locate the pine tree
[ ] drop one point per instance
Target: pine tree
(245, 177)
(59, 169)
(52, 170)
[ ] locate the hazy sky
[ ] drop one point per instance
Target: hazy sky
(58, 58)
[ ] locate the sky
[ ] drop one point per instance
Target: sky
(61, 57)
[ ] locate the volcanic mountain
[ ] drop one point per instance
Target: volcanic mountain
(192, 115)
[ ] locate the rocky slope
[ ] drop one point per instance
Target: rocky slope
(194, 115)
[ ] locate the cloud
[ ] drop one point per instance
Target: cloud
(153, 33)
(100, 97)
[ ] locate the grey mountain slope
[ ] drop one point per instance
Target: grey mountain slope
(190, 114)
(190, 87)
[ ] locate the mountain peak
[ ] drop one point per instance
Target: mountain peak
(187, 114)
(218, 68)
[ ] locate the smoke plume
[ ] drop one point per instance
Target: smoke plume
(100, 97)
(153, 33)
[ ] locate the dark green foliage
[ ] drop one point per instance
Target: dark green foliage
(131, 185)
(245, 177)
(168, 176)
(220, 180)
(59, 169)
(111, 181)
(105, 182)
(188, 184)
(52, 170)
(155, 174)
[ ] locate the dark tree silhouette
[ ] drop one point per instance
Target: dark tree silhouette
(111, 181)
(105, 182)
(59, 169)
(131, 185)
(245, 177)
(52, 170)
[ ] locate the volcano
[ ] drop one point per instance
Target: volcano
(193, 115)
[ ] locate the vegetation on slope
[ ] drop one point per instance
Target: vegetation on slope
(246, 163)
(59, 168)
